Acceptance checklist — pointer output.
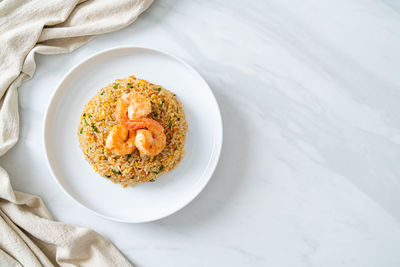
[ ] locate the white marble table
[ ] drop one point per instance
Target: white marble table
(310, 168)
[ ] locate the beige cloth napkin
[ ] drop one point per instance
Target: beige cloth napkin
(28, 234)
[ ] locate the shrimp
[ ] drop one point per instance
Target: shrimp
(121, 140)
(132, 106)
(150, 137)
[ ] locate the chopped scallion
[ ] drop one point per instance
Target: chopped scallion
(81, 130)
(116, 172)
(85, 121)
(116, 85)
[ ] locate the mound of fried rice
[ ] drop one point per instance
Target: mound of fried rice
(98, 118)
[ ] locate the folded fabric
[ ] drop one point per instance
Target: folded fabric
(28, 234)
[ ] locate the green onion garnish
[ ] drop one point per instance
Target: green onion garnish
(159, 89)
(81, 130)
(162, 103)
(85, 121)
(116, 85)
(116, 172)
(152, 180)
(102, 93)
(94, 127)
(161, 168)
(156, 172)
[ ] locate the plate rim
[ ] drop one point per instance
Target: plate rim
(217, 146)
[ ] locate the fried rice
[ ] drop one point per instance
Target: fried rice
(98, 118)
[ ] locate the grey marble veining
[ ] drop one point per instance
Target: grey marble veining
(309, 173)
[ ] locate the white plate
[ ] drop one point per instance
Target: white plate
(148, 201)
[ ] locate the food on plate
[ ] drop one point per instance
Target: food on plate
(132, 131)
